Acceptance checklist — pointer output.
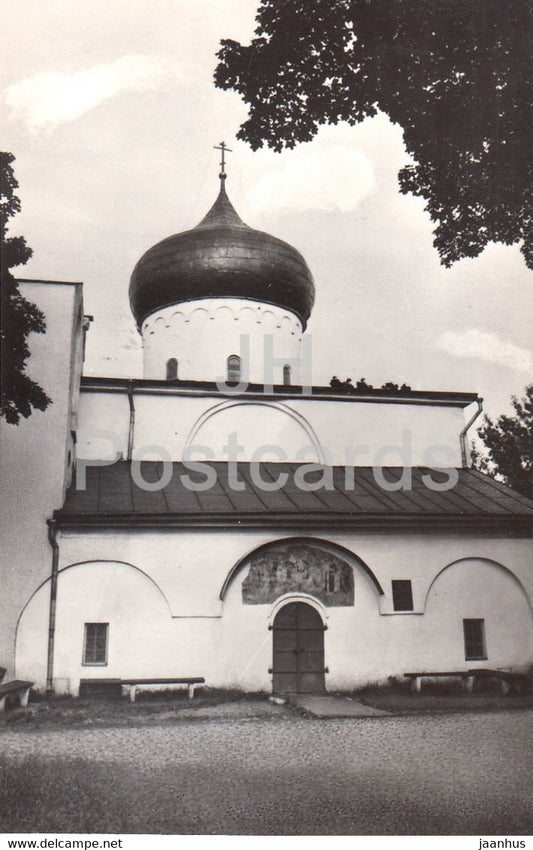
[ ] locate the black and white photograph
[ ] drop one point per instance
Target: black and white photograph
(266, 422)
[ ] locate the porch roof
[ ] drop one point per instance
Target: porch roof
(247, 495)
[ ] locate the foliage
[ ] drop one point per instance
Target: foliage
(18, 316)
(347, 387)
(509, 441)
(454, 75)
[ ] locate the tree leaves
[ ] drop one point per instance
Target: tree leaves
(20, 395)
(509, 441)
(455, 76)
(362, 386)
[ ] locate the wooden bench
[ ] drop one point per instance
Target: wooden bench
(110, 688)
(18, 687)
(191, 682)
(509, 680)
(466, 676)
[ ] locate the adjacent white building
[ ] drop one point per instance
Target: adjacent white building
(227, 519)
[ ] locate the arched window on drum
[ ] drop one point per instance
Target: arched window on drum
(172, 369)
(234, 369)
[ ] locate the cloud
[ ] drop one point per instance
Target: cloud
(481, 345)
(334, 178)
(53, 98)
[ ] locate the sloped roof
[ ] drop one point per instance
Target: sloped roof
(113, 499)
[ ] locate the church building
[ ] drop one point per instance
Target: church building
(225, 518)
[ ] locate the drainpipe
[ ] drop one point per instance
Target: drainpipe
(52, 537)
(132, 419)
(462, 435)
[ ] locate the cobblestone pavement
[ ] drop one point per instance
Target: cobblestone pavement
(440, 774)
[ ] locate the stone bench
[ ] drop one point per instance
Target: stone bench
(19, 687)
(466, 677)
(190, 681)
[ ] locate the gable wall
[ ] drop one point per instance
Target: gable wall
(386, 433)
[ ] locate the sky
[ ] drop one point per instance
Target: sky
(111, 112)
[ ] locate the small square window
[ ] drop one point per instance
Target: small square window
(95, 643)
(402, 594)
(474, 634)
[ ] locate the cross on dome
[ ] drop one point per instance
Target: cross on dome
(224, 149)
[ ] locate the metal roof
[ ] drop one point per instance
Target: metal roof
(237, 498)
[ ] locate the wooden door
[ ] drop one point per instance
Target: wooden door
(298, 649)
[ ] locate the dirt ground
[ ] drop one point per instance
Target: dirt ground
(459, 773)
(209, 704)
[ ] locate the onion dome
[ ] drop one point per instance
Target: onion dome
(221, 258)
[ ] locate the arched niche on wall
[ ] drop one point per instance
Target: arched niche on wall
(481, 593)
(322, 569)
(108, 592)
(283, 430)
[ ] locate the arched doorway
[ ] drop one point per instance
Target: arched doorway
(298, 650)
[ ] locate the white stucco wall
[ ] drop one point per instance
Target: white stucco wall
(160, 592)
(35, 453)
(479, 590)
(202, 334)
(346, 431)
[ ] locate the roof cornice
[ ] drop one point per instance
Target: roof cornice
(255, 391)
(516, 526)
(54, 282)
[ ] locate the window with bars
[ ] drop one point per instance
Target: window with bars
(402, 594)
(474, 635)
(95, 643)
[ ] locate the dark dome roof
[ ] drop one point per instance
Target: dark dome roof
(221, 258)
